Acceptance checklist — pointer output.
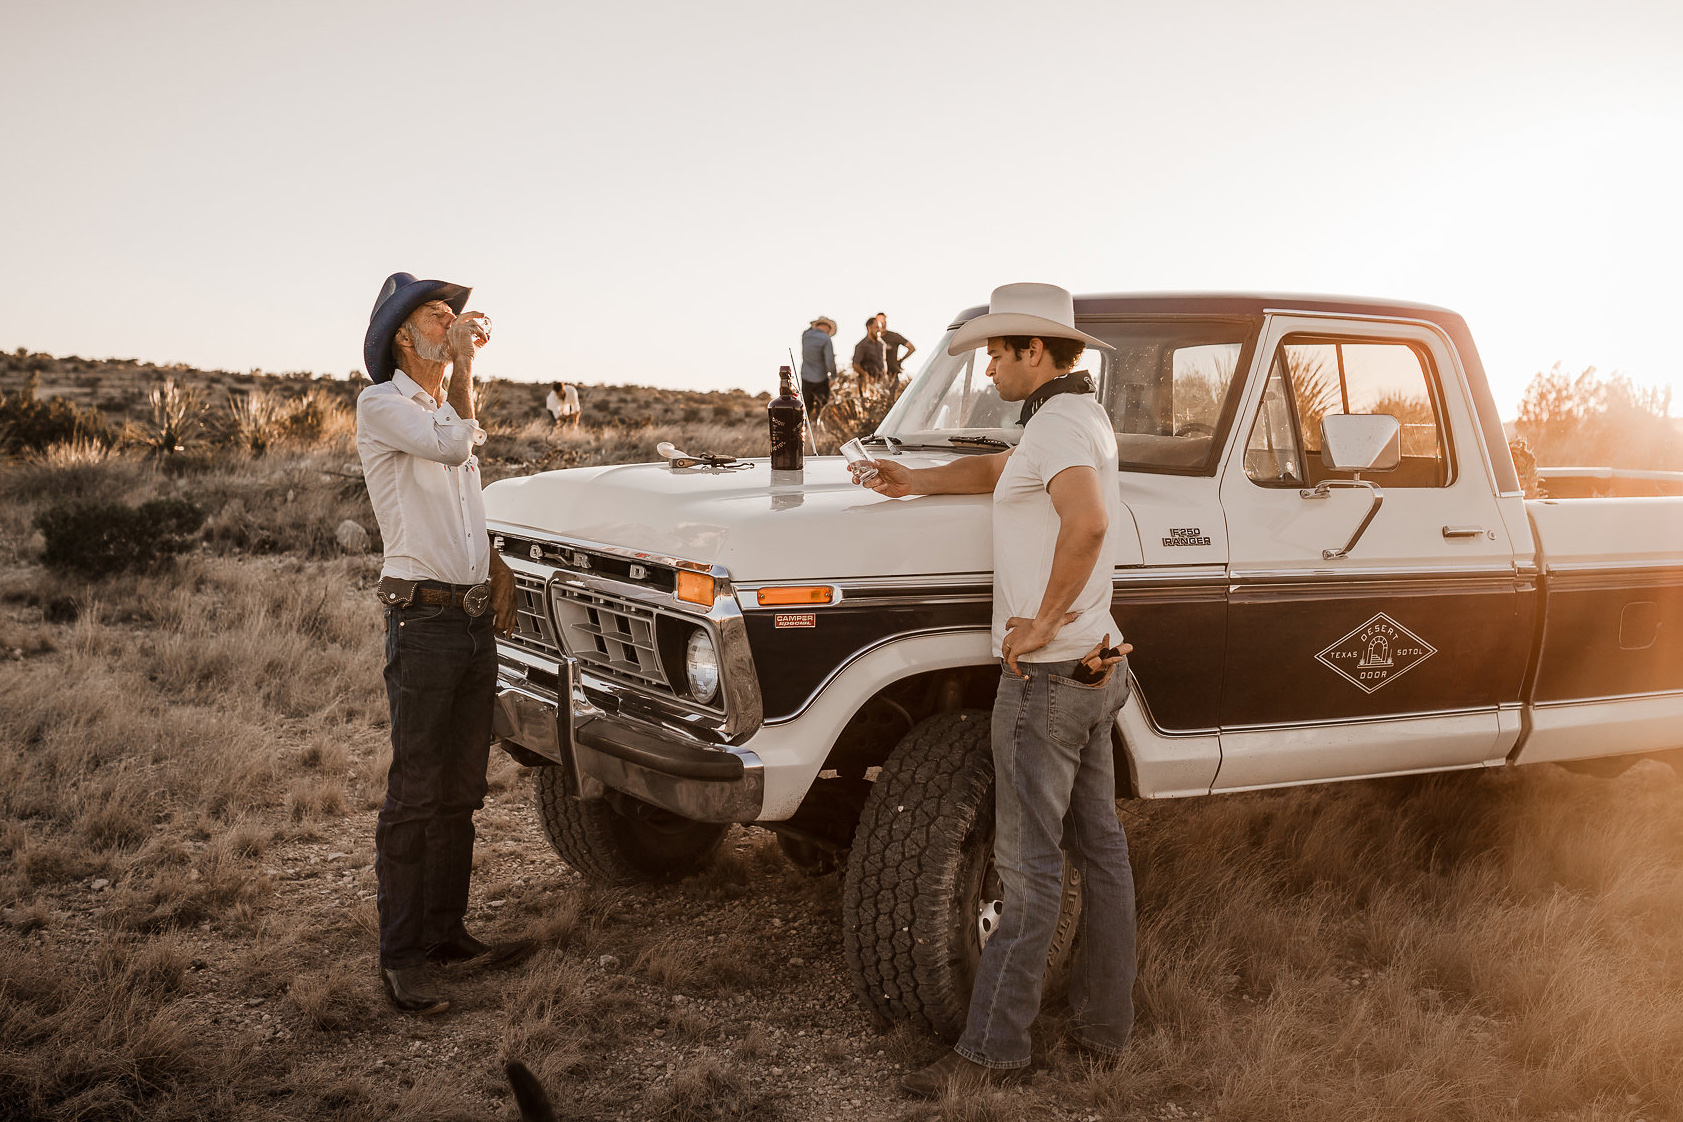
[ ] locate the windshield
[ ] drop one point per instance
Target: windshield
(1168, 386)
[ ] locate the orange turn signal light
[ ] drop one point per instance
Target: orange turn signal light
(802, 595)
(695, 588)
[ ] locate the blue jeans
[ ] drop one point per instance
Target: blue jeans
(441, 674)
(1055, 785)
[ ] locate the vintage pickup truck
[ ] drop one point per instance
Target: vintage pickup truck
(1330, 573)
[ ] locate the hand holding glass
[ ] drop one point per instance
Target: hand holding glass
(856, 454)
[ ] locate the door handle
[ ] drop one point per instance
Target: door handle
(1463, 531)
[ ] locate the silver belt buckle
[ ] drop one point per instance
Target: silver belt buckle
(476, 599)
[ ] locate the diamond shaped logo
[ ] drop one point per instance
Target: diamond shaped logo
(1377, 653)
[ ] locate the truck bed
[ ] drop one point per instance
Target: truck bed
(1608, 676)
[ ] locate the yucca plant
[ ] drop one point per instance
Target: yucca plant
(177, 419)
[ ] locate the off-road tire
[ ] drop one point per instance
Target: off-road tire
(607, 846)
(911, 901)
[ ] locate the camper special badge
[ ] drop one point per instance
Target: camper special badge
(1377, 653)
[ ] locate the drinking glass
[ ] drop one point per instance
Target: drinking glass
(855, 453)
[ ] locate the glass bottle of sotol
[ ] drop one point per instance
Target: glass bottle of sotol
(788, 425)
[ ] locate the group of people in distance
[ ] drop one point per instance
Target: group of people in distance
(876, 358)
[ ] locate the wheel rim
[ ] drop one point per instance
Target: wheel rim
(990, 904)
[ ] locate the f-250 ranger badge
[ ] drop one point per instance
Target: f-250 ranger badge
(1377, 653)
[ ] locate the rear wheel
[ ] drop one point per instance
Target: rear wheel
(623, 841)
(922, 896)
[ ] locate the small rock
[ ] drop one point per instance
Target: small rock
(797, 962)
(101, 885)
(608, 962)
(352, 537)
(495, 903)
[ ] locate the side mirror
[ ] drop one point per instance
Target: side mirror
(1361, 442)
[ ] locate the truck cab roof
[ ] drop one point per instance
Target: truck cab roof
(1242, 304)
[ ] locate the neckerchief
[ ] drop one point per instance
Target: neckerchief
(1076, 381)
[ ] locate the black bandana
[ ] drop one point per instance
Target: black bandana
(1076, 381)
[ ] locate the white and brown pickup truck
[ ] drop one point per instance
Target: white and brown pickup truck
(1330, 573)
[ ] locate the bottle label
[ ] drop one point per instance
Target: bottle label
(788, 438)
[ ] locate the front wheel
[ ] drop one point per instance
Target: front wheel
(922, 896)
(631, 843)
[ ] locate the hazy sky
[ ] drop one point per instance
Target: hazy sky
(666, 193)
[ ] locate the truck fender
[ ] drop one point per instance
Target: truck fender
(792, 750)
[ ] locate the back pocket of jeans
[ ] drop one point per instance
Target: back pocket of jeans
(1073, 709)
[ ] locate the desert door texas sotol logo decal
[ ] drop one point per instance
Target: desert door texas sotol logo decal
(1377, 653)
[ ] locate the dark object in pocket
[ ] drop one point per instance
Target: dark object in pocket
(1095, 668)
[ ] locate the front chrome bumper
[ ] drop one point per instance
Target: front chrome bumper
(657, 764)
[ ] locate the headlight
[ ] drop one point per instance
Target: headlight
(701, 666)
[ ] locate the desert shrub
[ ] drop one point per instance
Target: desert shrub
(262, 419)
(97, 539)
(30, 424)
(177, 419)
(1600, 420)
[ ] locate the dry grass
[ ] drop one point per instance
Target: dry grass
(189, 764)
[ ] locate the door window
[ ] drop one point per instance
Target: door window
(1313, 378)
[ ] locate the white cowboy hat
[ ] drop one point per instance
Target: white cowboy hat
(1023, 309)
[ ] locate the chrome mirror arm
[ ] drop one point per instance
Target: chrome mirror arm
(1324, 488)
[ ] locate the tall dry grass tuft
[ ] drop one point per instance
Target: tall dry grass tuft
(107, 1044)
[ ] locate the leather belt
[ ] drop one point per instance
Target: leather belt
(474, 599)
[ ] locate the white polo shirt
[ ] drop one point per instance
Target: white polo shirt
(1070, 430)
(423, 479)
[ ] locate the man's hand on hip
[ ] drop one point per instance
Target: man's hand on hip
(1024, 636)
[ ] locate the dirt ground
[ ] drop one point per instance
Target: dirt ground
(665, 1025)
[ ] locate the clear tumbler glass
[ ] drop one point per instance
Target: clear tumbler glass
(855, 453)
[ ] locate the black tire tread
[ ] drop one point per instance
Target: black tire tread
(934, 791)
(599, 842)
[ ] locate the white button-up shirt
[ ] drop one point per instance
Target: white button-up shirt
(423, 479)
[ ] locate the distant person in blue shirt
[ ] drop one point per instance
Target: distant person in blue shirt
(818, 363)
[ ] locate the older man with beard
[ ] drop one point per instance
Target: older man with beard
(441, 583)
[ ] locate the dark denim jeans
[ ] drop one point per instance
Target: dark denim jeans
(1055, 786)
(441, 675)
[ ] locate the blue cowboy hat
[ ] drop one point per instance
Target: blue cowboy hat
(399, 296)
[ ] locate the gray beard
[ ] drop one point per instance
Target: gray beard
(430, 351)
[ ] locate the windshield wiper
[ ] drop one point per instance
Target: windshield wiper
(887, 441)
(979, 441)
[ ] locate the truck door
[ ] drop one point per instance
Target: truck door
(1407, 653)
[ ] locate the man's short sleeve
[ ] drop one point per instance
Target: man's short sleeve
(1058, 441)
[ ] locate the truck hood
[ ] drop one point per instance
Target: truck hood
(816, 526)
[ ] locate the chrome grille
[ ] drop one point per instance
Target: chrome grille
(533, 632)
(613, 636)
